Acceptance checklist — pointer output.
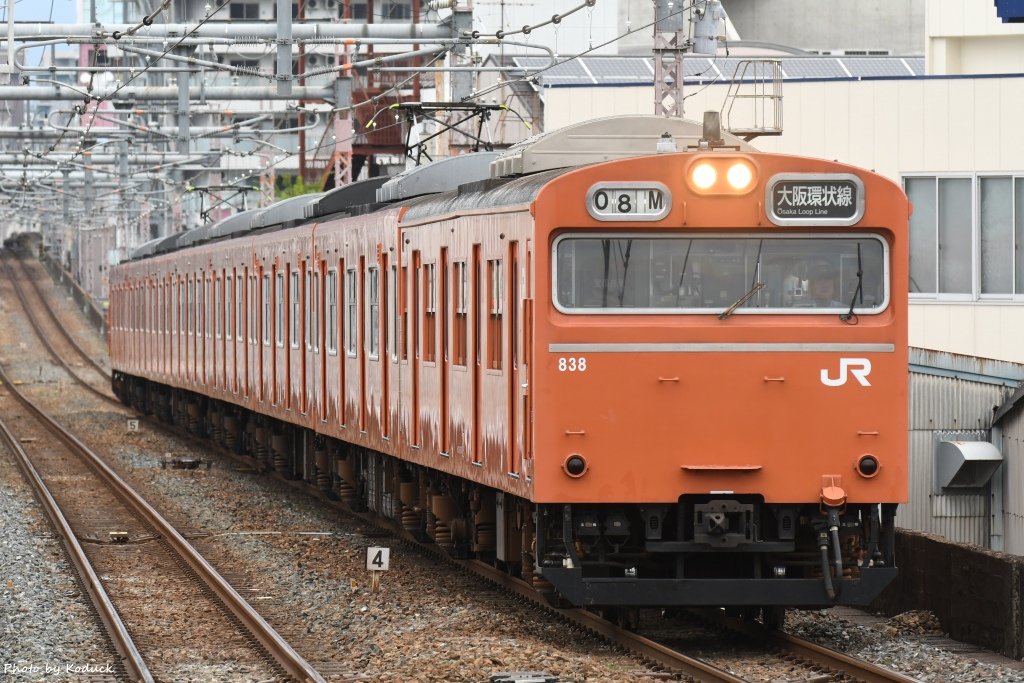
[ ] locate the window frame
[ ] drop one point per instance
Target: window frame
(824, 233)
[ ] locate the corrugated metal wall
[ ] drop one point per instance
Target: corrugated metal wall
(1011, 444)
(959, 394)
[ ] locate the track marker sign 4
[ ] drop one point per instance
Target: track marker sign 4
(378, 559)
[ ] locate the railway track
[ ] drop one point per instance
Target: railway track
(819, 664)
(118, 543)
(55, 337)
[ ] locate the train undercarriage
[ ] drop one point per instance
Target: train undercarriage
(704, 550)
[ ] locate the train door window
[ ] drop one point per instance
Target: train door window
(266, 309)
(239, 305)
(393, 318)
(253, 336)
(314, 313)
(331, 294)
(429, 313)
(351, 328)
(309, 319)
(218, 289)
(404, 304)
(229, 307)
(279, 309)
(293, 292)
(373, 310)
(495, 297)
(200, 300)
(191, 304)
(459, 284)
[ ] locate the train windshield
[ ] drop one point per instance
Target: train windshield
(710, 274)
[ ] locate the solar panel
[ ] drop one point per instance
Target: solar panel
(875, 66)
(812, 67)
(619, 70)
(639, 70)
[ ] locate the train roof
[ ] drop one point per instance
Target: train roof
(442, 175)
(284, 211)
(597, 140)
(482, 194)
(346, 197)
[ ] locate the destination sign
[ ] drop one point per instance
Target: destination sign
(629, 201)
(813, 199)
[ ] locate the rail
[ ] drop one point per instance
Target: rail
(289, 660)
(116, 630)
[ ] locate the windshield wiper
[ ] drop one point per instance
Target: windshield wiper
(758, 286)
(848, 316)
(755, 286)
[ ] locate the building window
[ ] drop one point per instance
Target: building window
(245, 10)
(966, 237)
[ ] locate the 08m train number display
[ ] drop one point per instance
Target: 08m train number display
(629, 201)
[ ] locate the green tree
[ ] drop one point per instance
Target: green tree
(293, 186)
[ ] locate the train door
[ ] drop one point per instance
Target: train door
(526, 381)
(241, 330)
(512, 306)
(232, 325)
(266, 361)
(444, 445)
(416, 351)
(319, 348)
(362, 343)
(382, 326)
(252, 334)
(280, 349)
(295, 357)
(311, 281)
(305, 342)
(475, 356)
(330, 339)
(218, 331)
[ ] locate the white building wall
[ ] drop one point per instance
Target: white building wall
(967, 37)
(895, 127)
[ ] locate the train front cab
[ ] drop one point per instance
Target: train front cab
(708, 432)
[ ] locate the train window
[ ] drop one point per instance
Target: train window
(393, 320)
(429, 313)
(314, 312)
(229, 307)
(373, 310)
(191, 303)
(494, 308)
(350, 313)
(218, 296)
(309, 322)
(266, 309)
(709, 274)
(239, 305)
(254, 335)
(201, 304)
(403, 303)
(279, 309)
(293, 292)
(331, 294)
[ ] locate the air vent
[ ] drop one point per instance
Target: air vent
(443, 175)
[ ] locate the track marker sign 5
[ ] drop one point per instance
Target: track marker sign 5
(133, 425)
(377, 561)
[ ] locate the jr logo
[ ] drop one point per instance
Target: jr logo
(860, 368)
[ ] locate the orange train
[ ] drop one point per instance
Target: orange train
(631, 378)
